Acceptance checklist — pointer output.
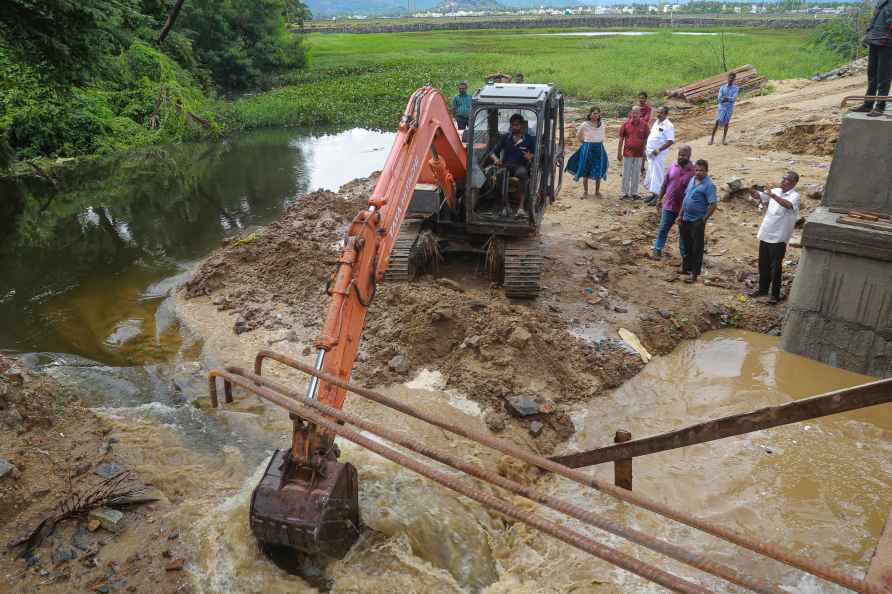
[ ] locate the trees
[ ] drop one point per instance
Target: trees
(240, 41)
(66, 41)
(81, 77)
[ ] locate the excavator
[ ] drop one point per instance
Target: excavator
(441, 189)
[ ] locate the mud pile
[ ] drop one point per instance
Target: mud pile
(493, 350)
(805, 138)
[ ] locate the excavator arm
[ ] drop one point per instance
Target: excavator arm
(427, 146)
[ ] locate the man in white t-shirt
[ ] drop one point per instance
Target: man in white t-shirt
(774, 233)
(662, 136)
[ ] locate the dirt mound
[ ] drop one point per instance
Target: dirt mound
(486, 346)
(810, 138)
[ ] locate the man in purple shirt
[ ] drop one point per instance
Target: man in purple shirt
(671, 197)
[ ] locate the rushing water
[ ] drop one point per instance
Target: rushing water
(90, 263)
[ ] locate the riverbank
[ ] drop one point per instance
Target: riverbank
(365, 80)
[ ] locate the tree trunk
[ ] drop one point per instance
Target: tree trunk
(171, 19)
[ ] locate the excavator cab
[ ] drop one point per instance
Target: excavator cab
(489, 189)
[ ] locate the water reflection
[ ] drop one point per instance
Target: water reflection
(82, 254)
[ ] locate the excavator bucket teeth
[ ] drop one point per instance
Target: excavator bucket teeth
(313, 512)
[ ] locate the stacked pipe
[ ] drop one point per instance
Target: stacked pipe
(336, 421)
(708, 88)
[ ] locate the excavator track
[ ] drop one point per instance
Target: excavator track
(523, 269)
(401, 267)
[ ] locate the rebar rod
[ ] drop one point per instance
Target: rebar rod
(571, 537)
(631, 534)
(773, 551)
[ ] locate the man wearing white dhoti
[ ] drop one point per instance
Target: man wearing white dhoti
(662, 136)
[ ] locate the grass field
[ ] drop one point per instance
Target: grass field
(365, 79)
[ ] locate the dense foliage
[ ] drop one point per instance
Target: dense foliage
(843, 35)
(80, 77)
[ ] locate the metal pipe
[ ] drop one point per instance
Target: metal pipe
(769, 550)
(571, 537)
(314, 380)
(636, 536)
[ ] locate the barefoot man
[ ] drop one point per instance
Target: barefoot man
(727, 97)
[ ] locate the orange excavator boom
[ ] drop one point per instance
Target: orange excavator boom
(427, 146)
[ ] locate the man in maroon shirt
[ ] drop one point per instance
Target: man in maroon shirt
(671, 197)
(630, 152)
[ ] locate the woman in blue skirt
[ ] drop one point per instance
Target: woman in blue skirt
(590, 161)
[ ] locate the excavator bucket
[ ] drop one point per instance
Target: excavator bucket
(314, 511)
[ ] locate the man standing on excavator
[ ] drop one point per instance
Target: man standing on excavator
(515, 151)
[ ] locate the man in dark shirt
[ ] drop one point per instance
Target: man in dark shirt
(879, 60)
(515, 152)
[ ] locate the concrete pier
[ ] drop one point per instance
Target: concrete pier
(840, 309)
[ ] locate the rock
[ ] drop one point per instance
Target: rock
(603, 293)
(473, 341)
(399, 363)
(521, 406)
(15, 376)
(110, 519)
(175, 565)
(108, 470)
(536, 428)
(519, 337)
(627, 242)
(495, 421)
(60, 556)
(241, 325)
(735, 183)
(7, 468)
(620, 309)
(664, 313)
(815, 192)
(79, 539)
(450, 284)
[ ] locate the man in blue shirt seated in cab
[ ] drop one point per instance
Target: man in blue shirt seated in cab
(515, 152)
(700, 201)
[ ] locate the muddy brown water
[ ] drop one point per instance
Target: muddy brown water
(821, 488)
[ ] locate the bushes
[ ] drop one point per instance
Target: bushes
(147, 98)
(843, 34)
(79, 77)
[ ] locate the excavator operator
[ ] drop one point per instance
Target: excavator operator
(515, 151)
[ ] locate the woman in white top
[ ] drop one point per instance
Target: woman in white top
(590, 161)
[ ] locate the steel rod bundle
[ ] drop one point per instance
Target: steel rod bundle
(298, 404)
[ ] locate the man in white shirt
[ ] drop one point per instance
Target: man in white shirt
(774, 233)
(662, 136)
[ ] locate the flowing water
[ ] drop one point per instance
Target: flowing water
(86, 293)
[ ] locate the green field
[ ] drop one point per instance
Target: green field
(365, 79)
